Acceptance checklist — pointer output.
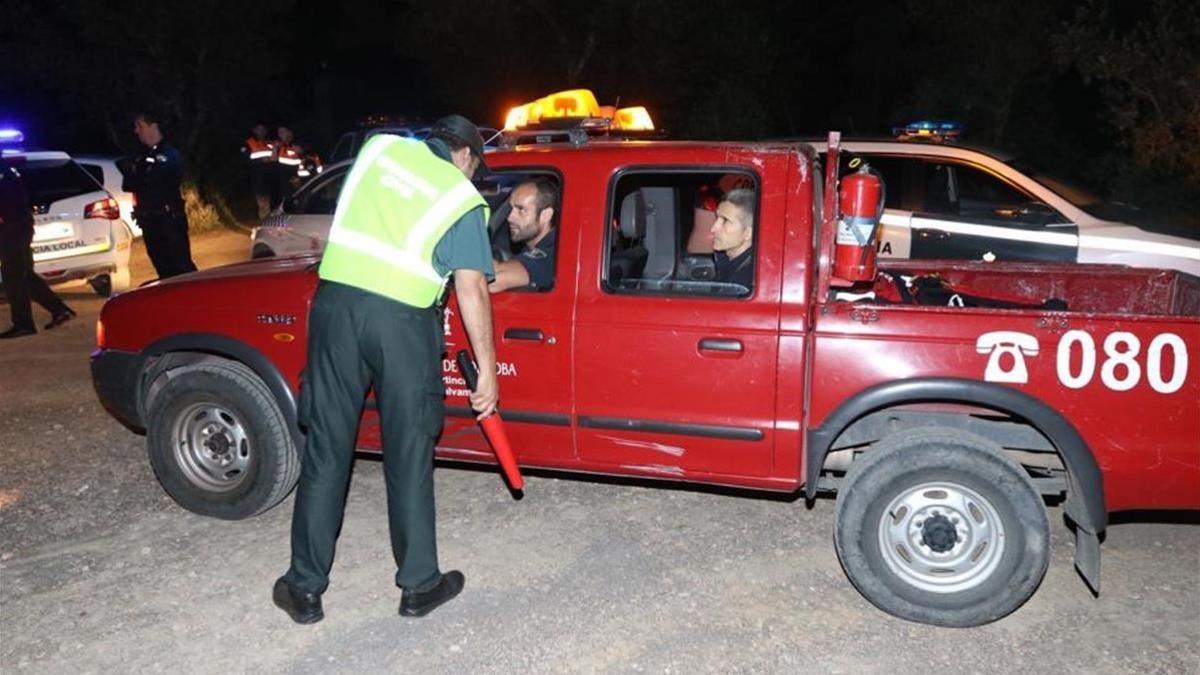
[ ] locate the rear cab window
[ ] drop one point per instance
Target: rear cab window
(668, 234)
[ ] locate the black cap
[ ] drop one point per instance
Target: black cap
(464, 130)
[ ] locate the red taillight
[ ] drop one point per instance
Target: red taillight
(100, 334)
(105, 208)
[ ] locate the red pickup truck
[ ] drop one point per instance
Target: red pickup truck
(943, 428)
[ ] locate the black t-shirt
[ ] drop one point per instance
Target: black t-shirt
(539, 262)
(739, 270)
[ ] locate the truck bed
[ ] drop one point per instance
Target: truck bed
(1092, 289)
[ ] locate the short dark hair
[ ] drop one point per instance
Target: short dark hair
(547, 193)
(744, 199)
(148, 116)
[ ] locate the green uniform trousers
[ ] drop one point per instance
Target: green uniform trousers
(357, 339)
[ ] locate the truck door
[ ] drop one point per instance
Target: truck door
(675, 369)
(533, 341)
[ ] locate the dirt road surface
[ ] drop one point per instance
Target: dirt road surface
(101, 572)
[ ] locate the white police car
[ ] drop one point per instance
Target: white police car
(301, 223)
(945, 200)
(78, 232)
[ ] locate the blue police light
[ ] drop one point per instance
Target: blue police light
(11, 137)
(931, 130)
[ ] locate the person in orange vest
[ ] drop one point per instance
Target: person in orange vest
(288, 159)
(310, 164)
(260, 153)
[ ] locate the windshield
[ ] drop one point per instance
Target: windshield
(1090, 202)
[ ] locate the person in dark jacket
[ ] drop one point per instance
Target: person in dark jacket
(154, 177)
(733, 238)
(21, 283)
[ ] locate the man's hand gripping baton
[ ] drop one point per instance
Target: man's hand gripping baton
(493, 428)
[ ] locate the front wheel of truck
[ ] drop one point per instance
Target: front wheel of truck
(938, 526)
(218, 442)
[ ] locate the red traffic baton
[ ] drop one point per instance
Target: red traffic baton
(493, 428)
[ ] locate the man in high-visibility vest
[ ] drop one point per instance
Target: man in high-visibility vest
(408, 217)
(288, 160)
(260, 154)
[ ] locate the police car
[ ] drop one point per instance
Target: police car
(79, 234)
(301, 223)
(946, 200)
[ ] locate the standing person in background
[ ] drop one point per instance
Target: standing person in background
(154, 176)
(259, 152)
(21, 283)
(288, 159)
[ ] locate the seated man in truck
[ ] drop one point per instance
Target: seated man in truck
(733, 238)
(531, 222)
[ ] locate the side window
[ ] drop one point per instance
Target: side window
(896, 177)
(525, 210)
(344, 148)
(682, 233)
(969, 192)
(322, 198)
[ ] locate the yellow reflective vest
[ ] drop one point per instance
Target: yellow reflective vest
(397, 202)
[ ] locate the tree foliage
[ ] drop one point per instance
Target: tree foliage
(1148, 71)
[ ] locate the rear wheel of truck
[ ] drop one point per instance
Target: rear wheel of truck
(938, 526)
(218, 442)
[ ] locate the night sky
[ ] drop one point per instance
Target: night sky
(1105, 90)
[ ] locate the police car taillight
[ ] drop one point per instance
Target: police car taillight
(107, 209)
(100, 337)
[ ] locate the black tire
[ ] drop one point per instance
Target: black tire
(967, 538)
(218, 442)
(261, 251)
(102, 285)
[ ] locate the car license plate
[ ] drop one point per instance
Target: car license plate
(50, 231)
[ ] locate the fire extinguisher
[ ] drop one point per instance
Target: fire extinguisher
(860, 206)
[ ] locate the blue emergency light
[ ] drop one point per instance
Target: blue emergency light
(11, 137)
(931, 130)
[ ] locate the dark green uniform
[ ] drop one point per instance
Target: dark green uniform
(357, 339)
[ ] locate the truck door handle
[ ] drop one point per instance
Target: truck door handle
(720, 345)
(532, 334)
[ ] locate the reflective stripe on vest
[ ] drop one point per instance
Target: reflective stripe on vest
(396, 204)
(259, 149)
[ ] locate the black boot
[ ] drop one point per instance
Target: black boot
(18, 331)
(301, 606)
(60, 318)
(419, 603)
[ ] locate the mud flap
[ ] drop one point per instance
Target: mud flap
(1087, 557)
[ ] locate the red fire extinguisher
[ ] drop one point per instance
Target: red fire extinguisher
(860, 206)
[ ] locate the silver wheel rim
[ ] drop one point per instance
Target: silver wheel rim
(916, 544)
(211, 447)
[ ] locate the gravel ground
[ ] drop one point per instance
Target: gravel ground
(101, 572)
